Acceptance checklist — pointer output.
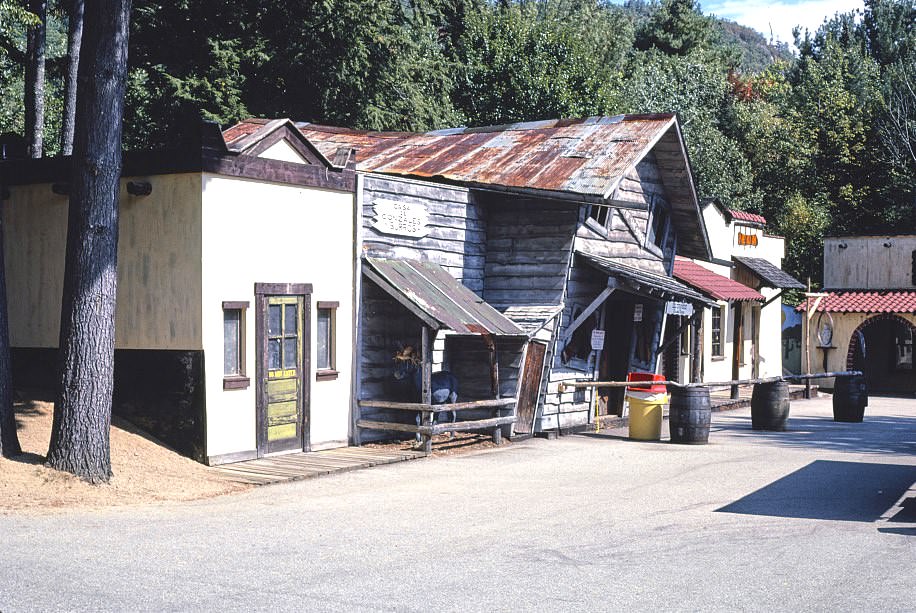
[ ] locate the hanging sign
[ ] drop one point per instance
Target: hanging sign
(679, 308)
(400, 218)
(597, 340)
(637, 312)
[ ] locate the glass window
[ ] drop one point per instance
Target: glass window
(290, 314)
(232, 341)
(717, 331)
(599, 214)
(273, 319)
(273, 354)
(325, 338)
(234, 376)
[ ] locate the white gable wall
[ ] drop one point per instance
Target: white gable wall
(258, 232)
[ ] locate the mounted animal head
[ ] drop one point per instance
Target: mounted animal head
(406, 361)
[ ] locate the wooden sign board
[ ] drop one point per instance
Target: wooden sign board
(679, 308)
(400, 218)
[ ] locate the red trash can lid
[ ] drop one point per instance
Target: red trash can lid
(647, 376)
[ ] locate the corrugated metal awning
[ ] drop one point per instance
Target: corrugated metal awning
(644, 282)
(438, 298)
(769, 273)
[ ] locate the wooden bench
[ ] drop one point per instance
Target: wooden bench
(428, 428)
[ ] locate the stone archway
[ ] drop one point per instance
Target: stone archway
(877, 369)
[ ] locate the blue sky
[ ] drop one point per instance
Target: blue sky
(780, 16)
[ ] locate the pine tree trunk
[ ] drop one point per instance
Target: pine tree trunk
(35, 80)
(74, 38)
(82, 414)
(9, 439)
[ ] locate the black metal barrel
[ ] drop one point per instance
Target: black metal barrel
(770, 406)
(850, 397)
(689, 415)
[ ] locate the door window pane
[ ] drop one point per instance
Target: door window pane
(290, 353)
(290, 320)
(232, 320)
(273, 354)
(273, 320)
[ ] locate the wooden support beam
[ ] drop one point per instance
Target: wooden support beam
(427, 385)
(597, 302)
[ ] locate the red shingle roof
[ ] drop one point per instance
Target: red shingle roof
(867, 302)
(712, 284)
(748, 217)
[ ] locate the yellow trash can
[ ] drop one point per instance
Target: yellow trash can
(646, 415)
(646, 406)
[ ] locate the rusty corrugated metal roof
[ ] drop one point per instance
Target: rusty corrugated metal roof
(576, 157)
(644, 282)
(438, 298)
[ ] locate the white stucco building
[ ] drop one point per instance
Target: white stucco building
(236, 284)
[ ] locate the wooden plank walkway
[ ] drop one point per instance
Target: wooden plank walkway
(296, 466)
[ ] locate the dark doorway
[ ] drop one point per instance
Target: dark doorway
(615, 359)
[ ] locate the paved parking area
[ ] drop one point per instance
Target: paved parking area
(819, 518)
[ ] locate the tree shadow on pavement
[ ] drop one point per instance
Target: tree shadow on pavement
(885, 435)
(826, 489)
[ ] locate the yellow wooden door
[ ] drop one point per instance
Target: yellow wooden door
(283, 368)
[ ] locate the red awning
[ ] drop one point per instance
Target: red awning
(866, 302)
(712, 284)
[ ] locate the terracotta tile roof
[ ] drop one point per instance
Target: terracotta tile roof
(867, 302)
(712, 284)
(748, 217)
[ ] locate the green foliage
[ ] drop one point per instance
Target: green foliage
(675, 27)
(820, 143)
(520, 62)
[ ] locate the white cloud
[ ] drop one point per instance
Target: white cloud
(780, 16)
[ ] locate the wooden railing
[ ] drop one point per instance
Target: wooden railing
(427, 427)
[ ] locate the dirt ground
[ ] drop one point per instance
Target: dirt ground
(145, 471)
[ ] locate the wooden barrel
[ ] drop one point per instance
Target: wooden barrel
(850, 397)
(770, 406)
(689, 415)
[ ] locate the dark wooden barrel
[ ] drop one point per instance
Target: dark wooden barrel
(689, 415)
(770, 406)
(850, 397)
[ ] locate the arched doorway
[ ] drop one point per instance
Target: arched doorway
(882, 348)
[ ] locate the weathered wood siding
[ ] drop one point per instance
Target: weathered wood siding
(529, 244)
(623, 238)
(870, 262)
(456, 228)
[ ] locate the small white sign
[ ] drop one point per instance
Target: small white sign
(400, 218)
(597, 340)
(679, 308)
(637, 312)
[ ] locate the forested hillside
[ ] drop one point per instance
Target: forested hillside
(822, 142)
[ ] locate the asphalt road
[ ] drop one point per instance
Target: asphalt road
(820, 518)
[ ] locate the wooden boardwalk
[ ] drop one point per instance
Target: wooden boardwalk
(296, 466)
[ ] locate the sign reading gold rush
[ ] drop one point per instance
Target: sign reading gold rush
(400, 218)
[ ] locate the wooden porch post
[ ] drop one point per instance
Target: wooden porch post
(696, 335)
(427, 386)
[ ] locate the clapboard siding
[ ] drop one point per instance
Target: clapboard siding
(529, 243)
(456, 227)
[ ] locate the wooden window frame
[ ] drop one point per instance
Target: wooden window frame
(327, 374)
(240, 380)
